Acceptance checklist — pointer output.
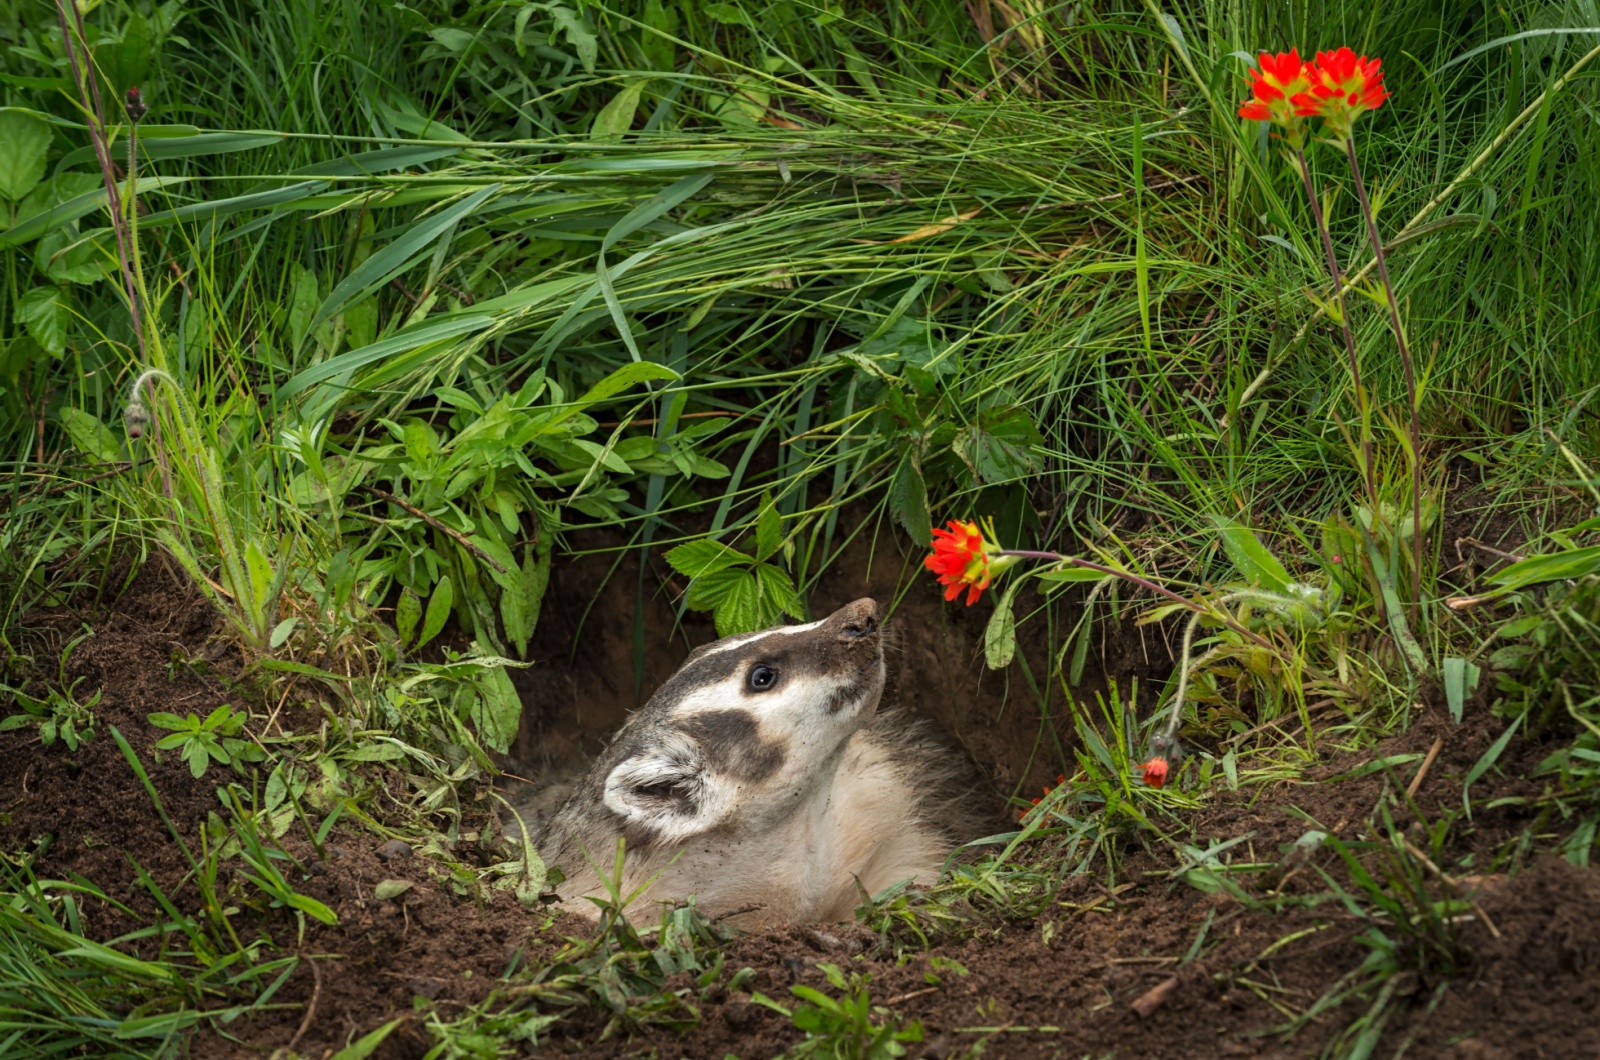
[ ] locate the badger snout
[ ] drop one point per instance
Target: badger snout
(857, 621)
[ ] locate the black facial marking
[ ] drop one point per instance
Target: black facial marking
(731, 741)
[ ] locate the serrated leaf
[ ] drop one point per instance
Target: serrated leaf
(498, 714)
(908, 501)
(1001, 446)
(47, 314)
(1000, 635)
(769, 528)
(406, 613)
(439, 605)
(579, 34)
(1250, 557)
(708, 591)
(696, 559)
(778, 596)
(27, 142)
(92, 437)
(739, 609)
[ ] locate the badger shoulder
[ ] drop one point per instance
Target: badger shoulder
(905, 800)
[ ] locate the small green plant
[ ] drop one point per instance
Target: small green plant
(58, 715)
(216, 738)
(743, 592)
(848, 1027)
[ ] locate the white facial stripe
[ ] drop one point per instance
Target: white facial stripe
(738, 642)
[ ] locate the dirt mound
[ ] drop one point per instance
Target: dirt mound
(86, 813)
(1228, 977)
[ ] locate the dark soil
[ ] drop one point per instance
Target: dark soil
(1060, 985)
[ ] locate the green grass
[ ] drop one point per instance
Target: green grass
(426, 290)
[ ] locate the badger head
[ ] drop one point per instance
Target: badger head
(746, 729)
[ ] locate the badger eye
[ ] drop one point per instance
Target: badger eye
(762, 678)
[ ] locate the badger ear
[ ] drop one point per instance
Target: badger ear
(663, 791)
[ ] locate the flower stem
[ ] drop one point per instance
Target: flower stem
(1344, 323)
(1144, 583)
(1405, 360)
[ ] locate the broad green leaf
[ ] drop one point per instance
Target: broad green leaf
(90, 435)
(769, 528)
(457, 40)
(708, 590)
(777, 594)
(260, 572)
(699, 558)
(281, 631)
(46, 313)
(303, 298)
(1000, 635)
(1557, 566)
(1001, 446)
(67, 257)
(908, 501)
(739, 609)
(629, 375)
(616, 117)
(386, 890)
(26, 142)
(1250, 557)
(498, 714)
(439, 605)
(580, 34)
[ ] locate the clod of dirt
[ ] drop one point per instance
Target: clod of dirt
(394, 849)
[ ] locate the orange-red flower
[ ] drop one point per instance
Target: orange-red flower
(1343, 86)
(964, 556)
(1273, 87)
(1155, 772)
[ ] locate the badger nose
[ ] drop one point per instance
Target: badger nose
(858, 620)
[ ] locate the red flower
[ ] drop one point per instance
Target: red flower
(1280, 77)
(1155, 772)
(964, 556)
(1343, 87)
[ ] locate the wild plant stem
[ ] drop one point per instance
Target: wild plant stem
(90, 90)
(1344, 323)
(1405, 361)
(1143, 583)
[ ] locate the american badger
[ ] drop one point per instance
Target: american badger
(761, 775)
